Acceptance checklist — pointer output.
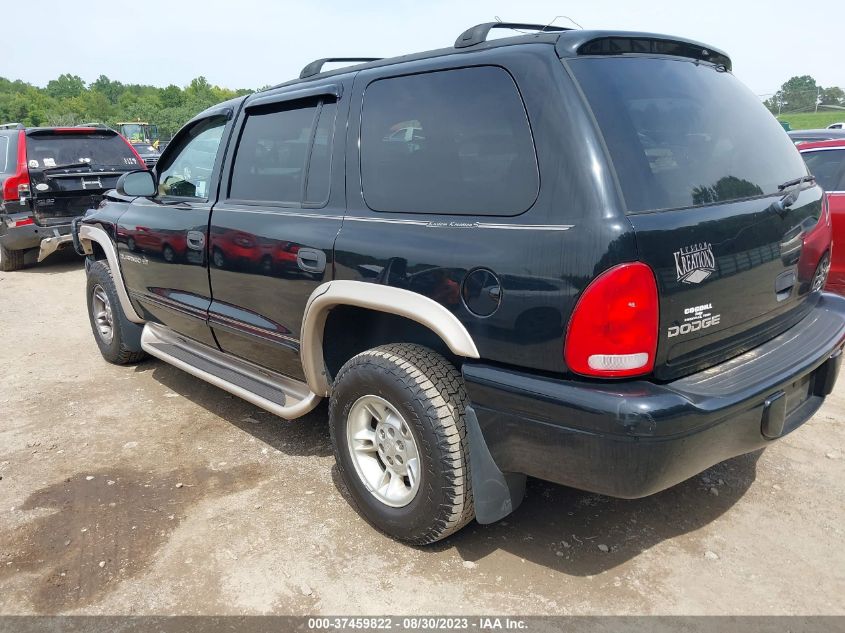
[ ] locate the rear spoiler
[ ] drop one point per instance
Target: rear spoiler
(53, 131)
(576, 42)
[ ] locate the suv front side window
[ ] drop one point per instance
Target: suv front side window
(187, 172)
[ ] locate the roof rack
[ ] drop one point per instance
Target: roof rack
(12, 126)
(315, 67)
(478, 33)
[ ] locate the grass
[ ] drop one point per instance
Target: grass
(812, 120)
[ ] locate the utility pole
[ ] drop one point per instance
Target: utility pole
(818, 97)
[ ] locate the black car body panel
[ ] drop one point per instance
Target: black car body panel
(542, 271)
(250, 221)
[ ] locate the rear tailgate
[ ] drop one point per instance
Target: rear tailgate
(730, 277)
(713, 188)
(71, 168)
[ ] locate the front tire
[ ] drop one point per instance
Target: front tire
(118, 338)
(11, 259)
(396, 417)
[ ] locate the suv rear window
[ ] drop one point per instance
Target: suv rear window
(53, 150)
(684, 134)
(450, 142)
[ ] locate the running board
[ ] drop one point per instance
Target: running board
(280, 395)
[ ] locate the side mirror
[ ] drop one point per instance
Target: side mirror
(140, 183)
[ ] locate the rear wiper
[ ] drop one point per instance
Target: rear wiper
(81, 163)
(796, 181)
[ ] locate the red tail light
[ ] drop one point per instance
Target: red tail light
(613, 330)
(17, 185)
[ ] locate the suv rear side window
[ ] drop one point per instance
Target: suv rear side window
(4, 154)
(280, 156)
(683, 134)
(828, 166)
(448, 142)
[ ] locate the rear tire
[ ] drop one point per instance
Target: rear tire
(118, 338)
(11, 259)
(422, 396)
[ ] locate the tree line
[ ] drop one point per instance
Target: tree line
(68, 100)
(803, 94)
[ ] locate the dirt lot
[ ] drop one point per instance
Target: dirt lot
(143, 490)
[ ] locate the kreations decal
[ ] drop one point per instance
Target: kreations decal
(695, 263)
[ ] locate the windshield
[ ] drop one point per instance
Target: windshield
(52, 150)
(684, 134)
(133, 132)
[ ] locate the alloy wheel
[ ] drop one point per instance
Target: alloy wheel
(102, 312)
(383, 450)
(822, 271)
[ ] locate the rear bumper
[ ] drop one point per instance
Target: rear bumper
(19, 238)
(634, 438)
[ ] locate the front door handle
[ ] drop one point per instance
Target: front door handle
(196, 240)
(311, 260)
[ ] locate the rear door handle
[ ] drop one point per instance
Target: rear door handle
(311, 260)
(196, 240)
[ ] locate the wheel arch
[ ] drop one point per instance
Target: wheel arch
(93, 238)
(387, 299)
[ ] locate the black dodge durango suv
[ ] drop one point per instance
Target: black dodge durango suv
(591, 257)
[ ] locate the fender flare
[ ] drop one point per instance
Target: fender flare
(405, 303)
(89, 233)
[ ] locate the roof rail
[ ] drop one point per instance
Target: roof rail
(315, 67)
(478, 33)
(12, 126)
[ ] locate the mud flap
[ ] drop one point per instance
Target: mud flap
(30, 257)
(496, 494)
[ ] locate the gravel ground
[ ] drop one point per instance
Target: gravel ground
(142, 490)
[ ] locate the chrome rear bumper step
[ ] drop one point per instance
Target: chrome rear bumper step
(280, 395)
(50, 245)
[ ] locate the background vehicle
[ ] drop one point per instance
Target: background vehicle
(610, 280)
(49, 176)
(148, 153)
(836, 126)
(826, 161)
(139, 132)
(806, 136)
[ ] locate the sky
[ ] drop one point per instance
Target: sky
(249, 43)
